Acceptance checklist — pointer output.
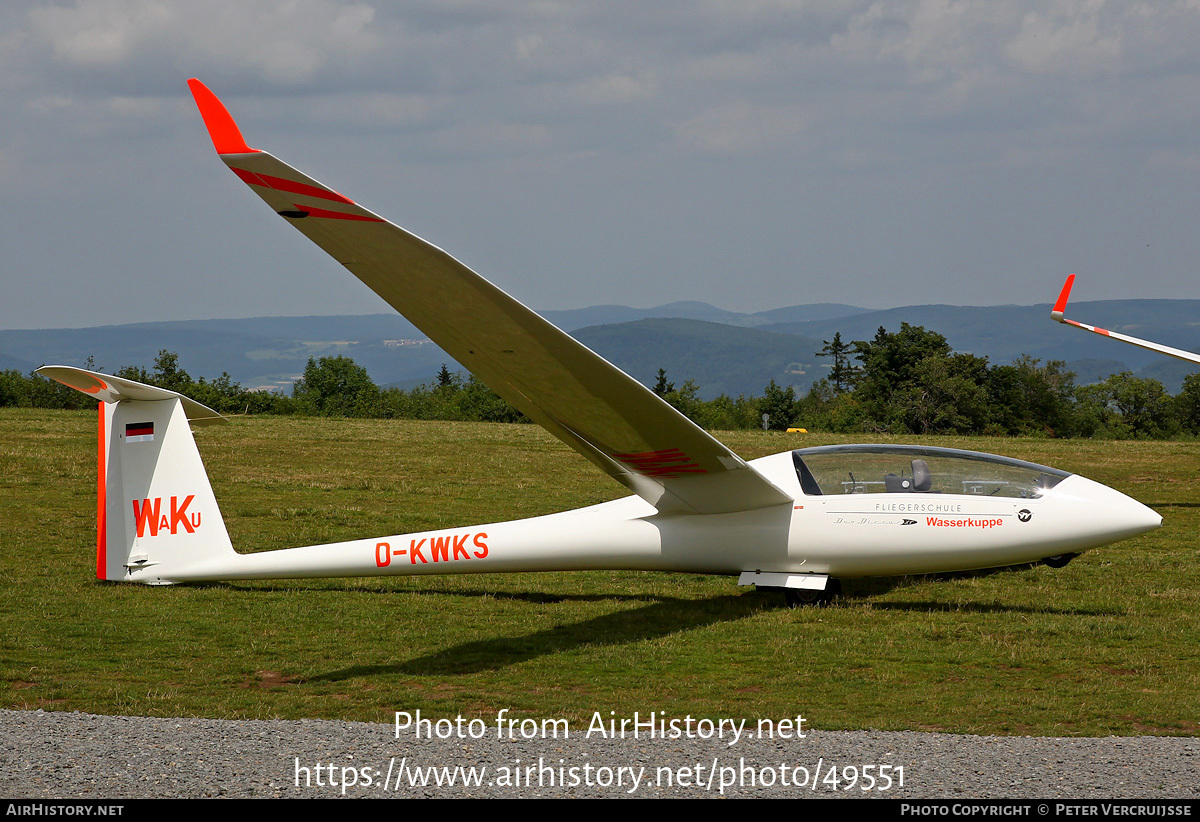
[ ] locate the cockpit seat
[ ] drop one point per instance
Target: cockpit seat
(922, 480)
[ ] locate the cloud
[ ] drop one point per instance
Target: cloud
(741, 127)
(1071, 38)
(617, 88)
(876, 113)
(281, 42)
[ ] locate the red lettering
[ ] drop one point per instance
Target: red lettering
(179, 515)
(414, 549)
(440, 545)
(441, 549)
(964, 523)
(147, 516)
(459, 542)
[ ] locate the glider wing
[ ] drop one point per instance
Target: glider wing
(588, 403)
(1061, 305)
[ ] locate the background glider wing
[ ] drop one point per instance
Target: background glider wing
(588, 403)
(107, 388)
(1061, 305)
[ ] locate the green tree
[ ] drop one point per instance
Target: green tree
(12, 388)
(888, 364)
(779, 404)
(947, 395)
(1028, 398)
(824, 409)
(477, 403)
(1187, 404)
(166, 374)
(913, 382)
(336, 387)
(686, 400)
(843, 373)
(1133, 408)
(661, 386)
(35, 391)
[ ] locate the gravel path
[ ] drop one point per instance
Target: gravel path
(75, 755)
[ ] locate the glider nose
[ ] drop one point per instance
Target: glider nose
(1133, 518)
(1144, 517)
(1128, 517)
(1104, 515)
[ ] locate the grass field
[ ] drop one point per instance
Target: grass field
(1108, 645)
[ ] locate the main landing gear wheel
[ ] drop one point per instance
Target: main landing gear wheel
(1059, 560)
(801, 597)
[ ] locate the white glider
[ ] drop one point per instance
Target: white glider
(795, 521)
(1060, 306)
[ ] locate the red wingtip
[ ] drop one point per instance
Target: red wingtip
(226, 137)
(1061, 305)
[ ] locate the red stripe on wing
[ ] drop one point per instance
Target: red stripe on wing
(290, 186)
(336, 215)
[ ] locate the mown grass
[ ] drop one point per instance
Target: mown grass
(1105, 646)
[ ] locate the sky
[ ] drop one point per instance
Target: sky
(750, 154)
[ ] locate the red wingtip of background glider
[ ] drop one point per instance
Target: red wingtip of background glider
(226, 137)
(1061, 305)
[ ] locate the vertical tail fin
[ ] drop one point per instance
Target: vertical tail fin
(155, 510)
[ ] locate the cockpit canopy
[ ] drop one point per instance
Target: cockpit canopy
(910, 469)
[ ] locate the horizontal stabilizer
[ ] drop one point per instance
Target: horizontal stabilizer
(110, 389)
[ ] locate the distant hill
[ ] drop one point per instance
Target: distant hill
(723, 351)
(1004, 332)
(804, 313)
(572, 319)
(8, 363)
(266, 352)
(722, 359)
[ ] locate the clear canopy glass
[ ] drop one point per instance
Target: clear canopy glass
(909, 469)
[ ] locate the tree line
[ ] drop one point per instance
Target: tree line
(329, 386)
(904, 382)
(912, 382)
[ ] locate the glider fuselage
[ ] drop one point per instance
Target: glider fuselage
(850, 534)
